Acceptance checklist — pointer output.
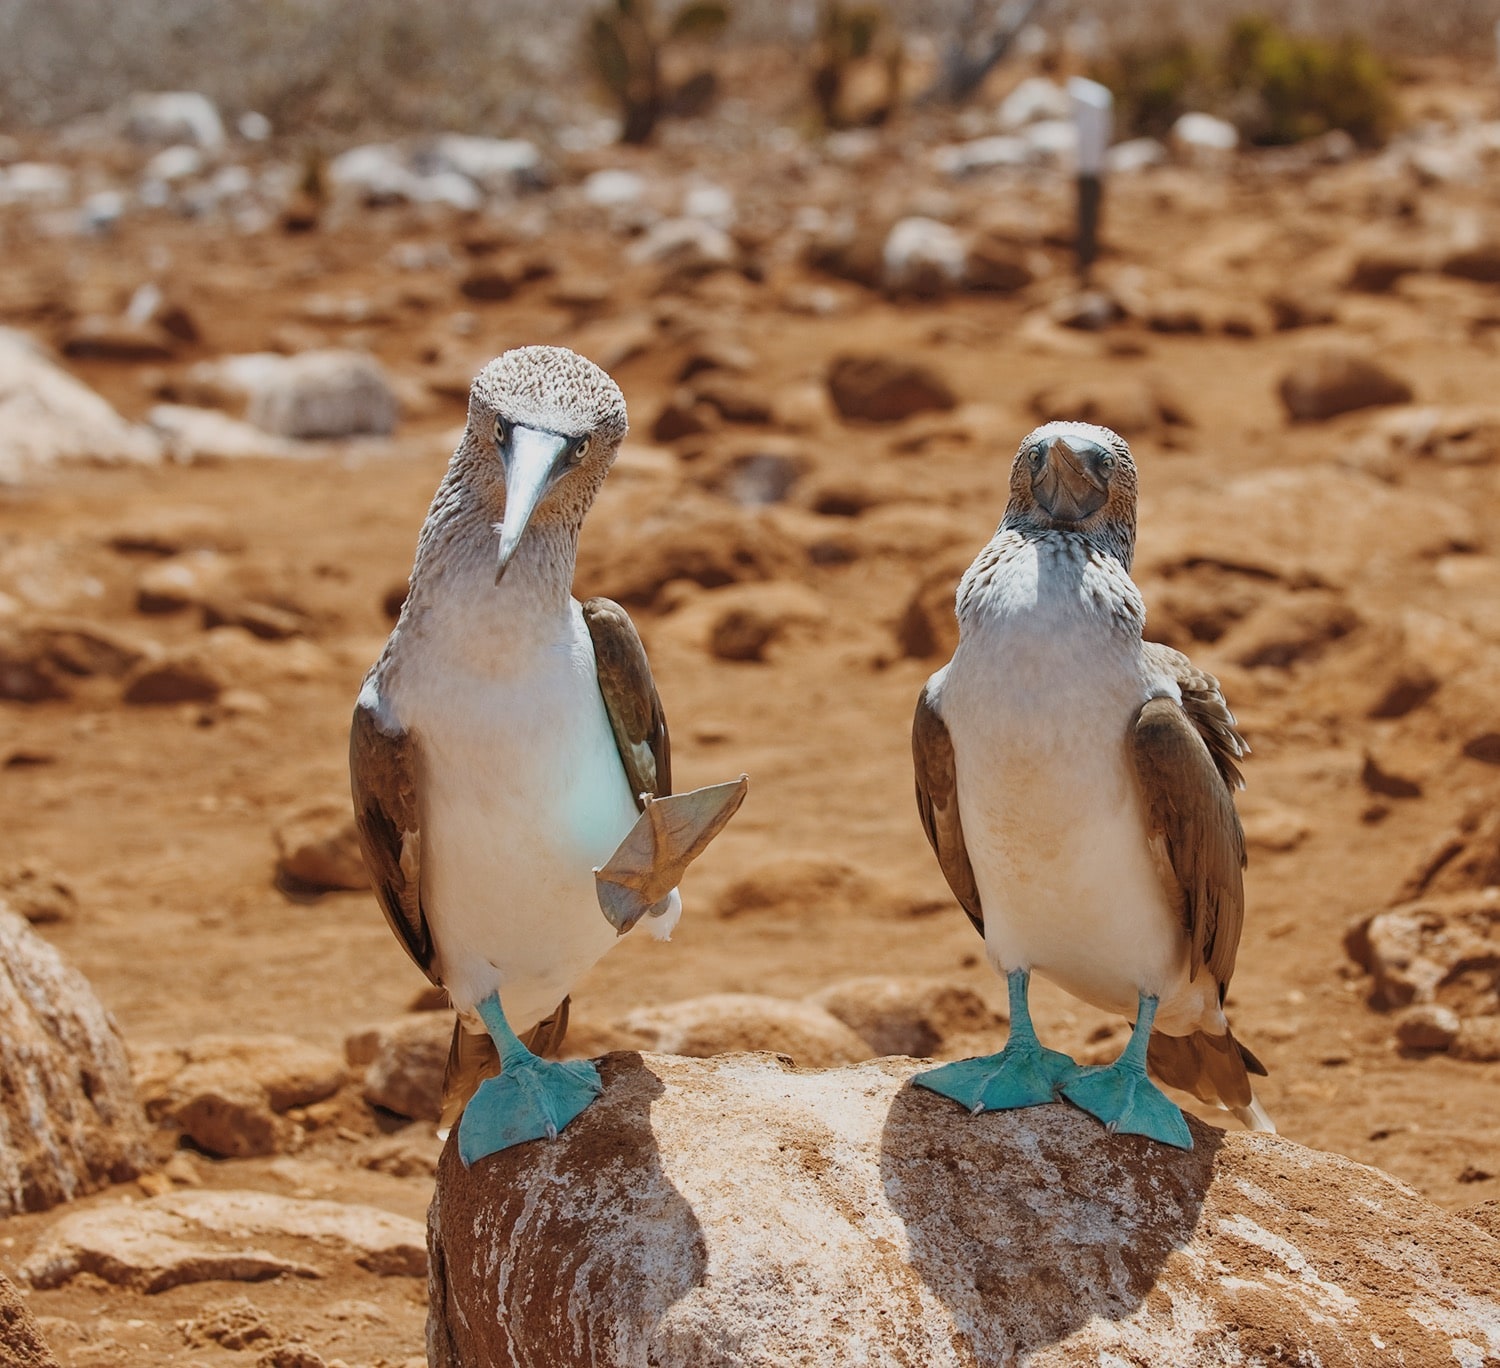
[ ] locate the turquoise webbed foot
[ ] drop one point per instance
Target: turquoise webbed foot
(530, 1099)
(1122, 1097)
(1019, 1076)
(1023, 1074)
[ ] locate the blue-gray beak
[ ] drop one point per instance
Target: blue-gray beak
(533, 461)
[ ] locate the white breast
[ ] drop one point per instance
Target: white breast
(1038, 700)
(522, 795)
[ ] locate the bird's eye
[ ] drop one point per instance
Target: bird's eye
(501, 431)
(1036, 455)
(1106, 462)
(581, 448)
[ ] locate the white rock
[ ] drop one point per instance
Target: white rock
(101, 211)
(1197, 132)
(230, 182)
(452, 188)
(725, 1212)
(175, 163)
(1036, 98)
(322, 394)
(202, 434)
(852, 146)
(253, 127)
(613, 188)
(178, 116)
(711, 203)
(47, 416)
(37, 185)
(1135, 154)
(922, 254)
(199, 1236)
(373, 171)
(1052, 140)
(981, 154)
(496, 165)
(685, 246)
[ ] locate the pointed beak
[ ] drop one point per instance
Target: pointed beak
(1067, 483)
(532, 462)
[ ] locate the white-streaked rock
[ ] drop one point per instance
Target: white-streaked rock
(1197, 133)
(323, 394)
(922, 256)
(736, 1212)
(174, 116)
(69, 1118)
(47, 417)
(202, 434)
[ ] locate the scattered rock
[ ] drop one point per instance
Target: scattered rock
(69, 1118)
(324, 394)
(46, 417)
(684, 247)
(184, 677)
(1203, 137)
(708, 545)
(1478, 1040)
(928, 626)
(1380, 776)
(117, 339)
(736, 400)
(758, 477)
(201, 434)
(35, 890)
(864, 1212)
(405, 1060)
(174, 117)
(1273, 827)
(1377, 269)
(729, 1023)
(1429, 1026)
(805, 885)
(1132, 407)
(1289, 629)
(923, 258)
(683, 415)
(1480, 261)
(1466, 859)
(1334, 380)
(229, 1094)
(886, 389)
(410, 1153)
(995, 265)
(190, 1237)
(907, 1016)
(21, 1342)
(39, 662)
(180, 582)
(1291, 310)
(317, 851)
(850, 251)
(234, 1324)
(1422, 951)
(743, 621)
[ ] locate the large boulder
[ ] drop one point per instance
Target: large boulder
(69, 1118)
(47, 416)
(21, 1342)
(736, 1211)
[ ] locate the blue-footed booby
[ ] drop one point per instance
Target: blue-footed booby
(1077, 785)
(509, 756)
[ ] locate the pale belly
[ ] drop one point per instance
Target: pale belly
(1053, 824)
(523, 795)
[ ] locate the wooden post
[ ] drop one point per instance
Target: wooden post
(1093, 115)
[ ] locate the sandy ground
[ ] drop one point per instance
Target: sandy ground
(161, 817)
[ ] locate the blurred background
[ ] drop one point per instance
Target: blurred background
(252, 255)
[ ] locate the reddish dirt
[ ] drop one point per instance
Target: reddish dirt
(161, 817)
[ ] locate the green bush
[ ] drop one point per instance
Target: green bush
(1276, 86)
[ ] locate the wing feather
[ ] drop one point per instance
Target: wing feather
(630, 698)
(382, 773)
(937, 803)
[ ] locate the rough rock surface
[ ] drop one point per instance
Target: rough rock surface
(317, 850)
(47, 416)
(186, 1237)
(405, 1061)
(69, 1118)
(1331, 381)
(21, 1342)
(738, 1212)
(324, 394)
(230, 1094)
(907, 1016)
(886, 389)
(726, 1023)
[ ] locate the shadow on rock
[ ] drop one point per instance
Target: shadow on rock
(1026, 1225)
(540, 1255)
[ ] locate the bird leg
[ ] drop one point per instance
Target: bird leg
(1023, 1074)
(531, 1097)
(1121, 1095)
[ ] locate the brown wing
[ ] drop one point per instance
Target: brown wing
(382, 770)
(630, 698)
(1191, 816)
(937, 802)
(1203, 701)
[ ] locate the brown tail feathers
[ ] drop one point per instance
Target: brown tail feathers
(472, 1058)
(1215, 1069)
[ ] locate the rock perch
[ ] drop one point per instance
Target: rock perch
(737, 1211)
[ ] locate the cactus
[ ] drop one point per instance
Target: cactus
(625, 42)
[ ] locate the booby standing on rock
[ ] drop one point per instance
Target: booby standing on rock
(509, 756)
(1076, 783)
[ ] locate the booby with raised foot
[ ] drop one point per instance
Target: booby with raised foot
(1077, 784)
(509, 757)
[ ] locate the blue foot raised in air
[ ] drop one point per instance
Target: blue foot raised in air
(1121, 1095)
(530, 1099)
(1023, 1074)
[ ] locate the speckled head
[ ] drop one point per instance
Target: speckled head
(1075, 477)
(545, 425)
